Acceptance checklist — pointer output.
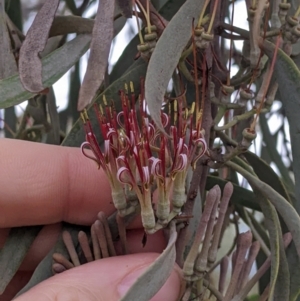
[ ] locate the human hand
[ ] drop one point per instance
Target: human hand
(43, 184)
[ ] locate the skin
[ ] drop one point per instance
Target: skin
(45, 184)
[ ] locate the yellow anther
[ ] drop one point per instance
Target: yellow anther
(175, 105)
(101, 110)
(126, 88)
(82, 117)
(199, 115)
(186, 113)
(104, 100)
(192, 110)
(131, 87)
(175, 110)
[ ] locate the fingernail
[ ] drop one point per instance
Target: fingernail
(129, 279)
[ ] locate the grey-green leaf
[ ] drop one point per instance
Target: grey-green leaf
(166, 56)
(285, 209)
(71, 24)
(44, 270)
(272, 223)
(149, 283)
(55, 65)
(288, 78)
(100, 47)
(266, 174)
(63, 25)
(30, 64)
(11, 256)
(8, 64)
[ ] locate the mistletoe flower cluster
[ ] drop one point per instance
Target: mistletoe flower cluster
(137, 158)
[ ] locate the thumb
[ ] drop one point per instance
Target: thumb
(105, 279)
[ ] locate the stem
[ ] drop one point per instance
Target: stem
(139, 28)
(202, 13)
(147, 212)
(213, 16)
(145, 13)
(163, 205)
(122, 234)
(179, 195)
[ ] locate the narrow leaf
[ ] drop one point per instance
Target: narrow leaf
(8, 64)
(54, 118)
(285, 209)
(100, 47)
(274, 154)
(8, 67)
(274, 229)
(166, 56)
(158, 272)
(30, 64)
(11, 256)
(282, 288)
(55, 65)
(294, 268)
(266, 174)
(63, 25)
(288, 78)
(44, 270)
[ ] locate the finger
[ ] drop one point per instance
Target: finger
(106, 279)
(46, 184)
